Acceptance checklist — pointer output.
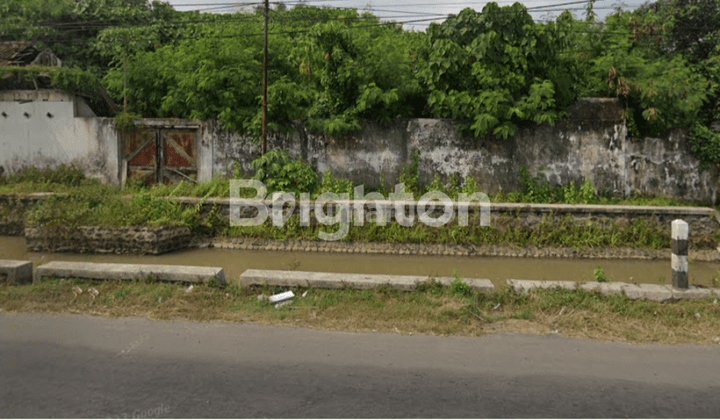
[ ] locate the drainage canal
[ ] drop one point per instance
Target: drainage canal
(496, 269)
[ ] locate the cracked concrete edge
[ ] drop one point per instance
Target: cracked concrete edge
(311, 279)
(654, 292)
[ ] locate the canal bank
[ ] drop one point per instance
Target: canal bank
(112, 224)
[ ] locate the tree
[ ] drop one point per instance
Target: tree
(496, 69)
(70, 28)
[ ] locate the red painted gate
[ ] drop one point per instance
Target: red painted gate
(160, 155)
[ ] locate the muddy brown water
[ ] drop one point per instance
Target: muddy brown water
(497, 269)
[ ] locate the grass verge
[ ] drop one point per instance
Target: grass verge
(430, 310)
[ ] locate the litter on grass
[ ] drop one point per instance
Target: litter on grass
(282, 296)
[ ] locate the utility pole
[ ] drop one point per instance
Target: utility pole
(264, 77)
(124, 83)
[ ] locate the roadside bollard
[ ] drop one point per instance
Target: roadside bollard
(679, 258)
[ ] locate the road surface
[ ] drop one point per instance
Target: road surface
(82, 366)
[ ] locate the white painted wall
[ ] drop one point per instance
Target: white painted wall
(47, 128)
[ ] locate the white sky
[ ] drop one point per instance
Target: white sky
(412, 10)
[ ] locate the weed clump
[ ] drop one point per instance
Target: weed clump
(599, 275)
(458, 286)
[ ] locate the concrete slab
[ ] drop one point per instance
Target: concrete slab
(691, 293)
(609, 288)
(527, 285)
(341, 280)
(104, 271)
(654, 292)
(16, 271)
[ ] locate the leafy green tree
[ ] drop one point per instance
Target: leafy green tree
(496, 69)
(628, 58)
(215, 76)
(70, 28)
(366, 74)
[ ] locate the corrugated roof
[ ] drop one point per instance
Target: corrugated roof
(23, 53)
(17, 53)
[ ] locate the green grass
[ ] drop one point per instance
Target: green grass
(431, 309)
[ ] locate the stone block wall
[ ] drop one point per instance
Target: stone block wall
(100, 240)
(12, 212)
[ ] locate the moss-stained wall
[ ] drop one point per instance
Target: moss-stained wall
(592, 143)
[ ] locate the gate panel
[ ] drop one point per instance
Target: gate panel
(160, 155)
(140, 153)
(178, 155)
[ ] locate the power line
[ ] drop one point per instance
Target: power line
(79, 26)
(88, 24)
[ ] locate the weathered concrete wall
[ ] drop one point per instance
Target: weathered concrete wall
(592, 143)
(47, 128)
(665, 166)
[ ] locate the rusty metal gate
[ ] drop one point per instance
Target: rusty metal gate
(160, 155)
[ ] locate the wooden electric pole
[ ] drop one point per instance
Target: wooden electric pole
(264, 77)
(125, 83)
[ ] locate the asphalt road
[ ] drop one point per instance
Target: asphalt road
(80, 366)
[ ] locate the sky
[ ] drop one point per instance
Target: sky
(418, 14)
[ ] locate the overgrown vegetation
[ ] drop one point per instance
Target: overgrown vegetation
(83, 201)
(278, 172)
(72, 81)
(124, 121)
(494, 70)
(432, 309)
(66, 175)
(558, 233)
(104, 207)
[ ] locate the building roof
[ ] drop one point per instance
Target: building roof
(23, 53)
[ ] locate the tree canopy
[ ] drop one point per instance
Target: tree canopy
(494, 70)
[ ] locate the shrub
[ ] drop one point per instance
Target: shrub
(278, 172)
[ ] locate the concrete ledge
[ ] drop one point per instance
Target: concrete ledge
(527, 285)
(695, 293)
(102, 271)
(16, 271)
(341, 280)
(654, 292)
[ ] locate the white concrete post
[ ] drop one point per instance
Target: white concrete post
(679, 258)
